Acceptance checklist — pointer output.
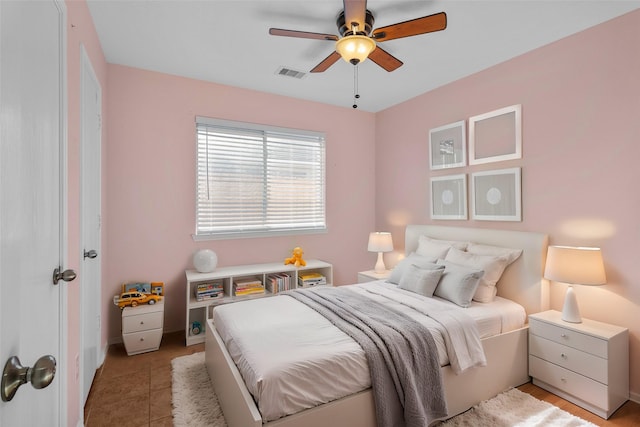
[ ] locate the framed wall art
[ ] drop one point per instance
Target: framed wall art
(449, 197)
(496, 136)
(448, 146)
(496, 195)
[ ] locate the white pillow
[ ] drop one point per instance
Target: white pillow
(493, 267)
(458, 283)
(421, 281)
(413, 258)
(476, 248)
(437, 248)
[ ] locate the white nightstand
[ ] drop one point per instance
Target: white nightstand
(585, 363)
(370, 275)
(142, 327)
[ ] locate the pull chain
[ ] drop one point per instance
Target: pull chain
(356, 95)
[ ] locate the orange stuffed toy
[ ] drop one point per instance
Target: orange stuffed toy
(296, 258)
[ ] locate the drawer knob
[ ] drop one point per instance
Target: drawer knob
(564, 380)
(564, 356)
(141, 322)
(563, 335)
(141, 339)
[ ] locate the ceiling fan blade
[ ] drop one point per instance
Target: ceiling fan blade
(326, 63)
(302, 34)
(384, 59)
(413, 27)
(354, 11)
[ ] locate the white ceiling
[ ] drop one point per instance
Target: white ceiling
(227, 41)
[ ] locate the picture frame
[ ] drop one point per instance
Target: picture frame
(496, 136)
(496, 195)
(144, 287)
(449, 197)
(156, 288)
(448, 146)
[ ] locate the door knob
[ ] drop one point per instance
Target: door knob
(14, 375)
(67, 275)
(91, 254)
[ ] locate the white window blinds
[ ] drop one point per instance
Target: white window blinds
(258, 180)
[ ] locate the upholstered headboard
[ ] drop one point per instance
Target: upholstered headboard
(522, 281)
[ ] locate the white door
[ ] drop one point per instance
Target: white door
(32, 123)
(90, 123)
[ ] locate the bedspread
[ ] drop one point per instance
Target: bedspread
(460, 333)
(292, 358)
(401, 353)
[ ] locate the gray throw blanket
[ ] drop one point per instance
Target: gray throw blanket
(401, 353)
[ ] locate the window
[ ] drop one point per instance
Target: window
(256, 180)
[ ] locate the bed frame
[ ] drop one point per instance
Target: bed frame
(507, 354)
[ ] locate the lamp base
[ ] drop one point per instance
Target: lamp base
(570, 310)
(380, 267)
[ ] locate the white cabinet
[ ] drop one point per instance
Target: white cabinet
(198, 312)
(371, 275)
(142, 327)
(585, 363)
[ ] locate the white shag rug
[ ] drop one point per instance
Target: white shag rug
(515, 408)
(195, 404)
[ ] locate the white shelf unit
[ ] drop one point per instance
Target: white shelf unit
(201, 311)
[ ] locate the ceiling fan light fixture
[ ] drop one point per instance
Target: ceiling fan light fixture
(355, 49)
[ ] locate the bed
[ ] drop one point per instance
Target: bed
(506, 353)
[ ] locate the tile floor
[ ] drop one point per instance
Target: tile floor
(135, 391)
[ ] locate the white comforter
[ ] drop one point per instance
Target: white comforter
(292, 358)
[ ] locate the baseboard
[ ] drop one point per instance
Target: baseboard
(114, 340)
(635, 397)
(102, 355)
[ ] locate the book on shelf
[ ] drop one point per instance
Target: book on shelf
(248, 287)
(205, 291)
(209, 297)
(255, 291)
(278, 282)
(311, 279)
(208, 286)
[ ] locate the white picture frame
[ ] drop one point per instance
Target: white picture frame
(496, 136)
(448, 146)
(496, 195)
(449, 197)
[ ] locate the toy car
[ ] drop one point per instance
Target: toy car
(133, 298)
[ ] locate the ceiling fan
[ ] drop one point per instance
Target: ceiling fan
(358, 42)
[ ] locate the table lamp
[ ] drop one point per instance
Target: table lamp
(574, 266)
(380, 242)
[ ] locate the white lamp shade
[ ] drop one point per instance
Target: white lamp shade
(205, 261)
(380, 242)
(575, 265)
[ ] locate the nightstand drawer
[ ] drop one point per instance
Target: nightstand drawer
(577, 385)
(142, 341)
(576, 360)
(142, 322)
(580, 341)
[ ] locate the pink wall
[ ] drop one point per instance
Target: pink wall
(151, 174)
(581, 144)
(80, 31)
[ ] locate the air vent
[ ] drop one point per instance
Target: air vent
(288, 72)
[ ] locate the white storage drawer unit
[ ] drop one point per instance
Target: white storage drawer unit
(586, 363)
(142, 327)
